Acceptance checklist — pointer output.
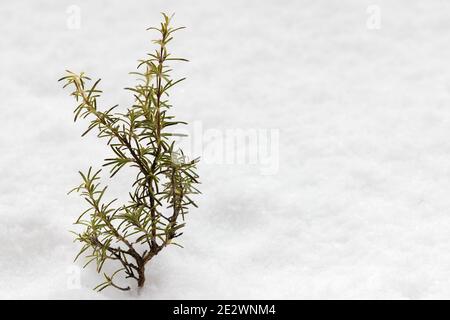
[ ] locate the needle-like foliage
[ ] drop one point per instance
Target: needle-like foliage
(133, 233)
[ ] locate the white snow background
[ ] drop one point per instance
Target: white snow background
(359, 207)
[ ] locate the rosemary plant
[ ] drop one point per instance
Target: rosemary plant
(132, 234)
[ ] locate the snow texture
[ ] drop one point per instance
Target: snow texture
(359, 206)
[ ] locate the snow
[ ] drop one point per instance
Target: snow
(359, 205)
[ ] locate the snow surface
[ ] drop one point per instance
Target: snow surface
(359, 207)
